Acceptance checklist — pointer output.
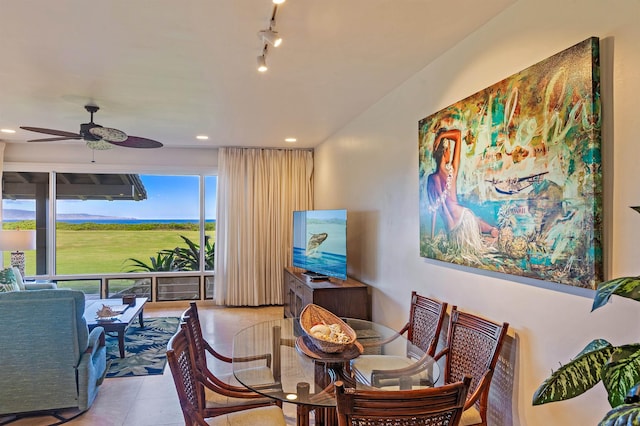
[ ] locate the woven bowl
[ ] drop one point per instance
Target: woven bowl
(314, 314)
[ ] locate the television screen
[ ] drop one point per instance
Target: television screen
(320, 243)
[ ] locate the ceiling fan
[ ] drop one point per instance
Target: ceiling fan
(96, 136)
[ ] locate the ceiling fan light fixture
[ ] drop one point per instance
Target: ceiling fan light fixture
(271, 37)
(262, 63)
(99, 145)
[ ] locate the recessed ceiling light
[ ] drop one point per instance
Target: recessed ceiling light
(7, 131)
(278, 1)
(202, 137)
(291, 140)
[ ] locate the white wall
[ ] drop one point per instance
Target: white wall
(370, 168)
(76, 157)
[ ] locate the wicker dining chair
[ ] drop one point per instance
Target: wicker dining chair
(426, 316)
(473, 348)
(440, 406)
(190, 387)
(221, 397)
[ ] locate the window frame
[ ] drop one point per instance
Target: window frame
(201, 172)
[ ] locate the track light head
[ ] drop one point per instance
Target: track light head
(271, 37)
(262, 63)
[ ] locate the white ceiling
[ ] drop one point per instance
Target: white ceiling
(170, 70)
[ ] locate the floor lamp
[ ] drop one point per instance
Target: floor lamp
(17, 242)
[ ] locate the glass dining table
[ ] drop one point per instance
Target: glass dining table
(304, 375)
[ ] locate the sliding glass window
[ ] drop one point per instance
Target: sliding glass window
(25, 198)
(210, 204)
(113, 223)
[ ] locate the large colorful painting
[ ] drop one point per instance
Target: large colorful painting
(510, 177)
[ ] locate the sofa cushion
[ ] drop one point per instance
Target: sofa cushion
(8, 281)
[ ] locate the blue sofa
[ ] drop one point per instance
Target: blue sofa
(11, 280)
(48, 358)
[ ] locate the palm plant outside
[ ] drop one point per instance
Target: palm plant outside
(177, 259)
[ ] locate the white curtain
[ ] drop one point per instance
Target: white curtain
(258, 189)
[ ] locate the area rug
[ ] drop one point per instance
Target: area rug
(145, 348)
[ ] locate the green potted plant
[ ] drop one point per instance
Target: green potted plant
(617, 367)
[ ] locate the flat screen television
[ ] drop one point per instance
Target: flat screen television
(320, 243)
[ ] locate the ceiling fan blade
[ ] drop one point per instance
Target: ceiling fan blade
(138, 142)
(51, 132)
(53, 139)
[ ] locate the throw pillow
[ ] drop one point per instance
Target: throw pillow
(8, 281)
(19, 279)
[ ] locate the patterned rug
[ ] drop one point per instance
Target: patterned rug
(145, 348)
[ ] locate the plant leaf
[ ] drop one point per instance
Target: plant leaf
(577, 376)
(622, 415)
(625, 286)
(621, 373)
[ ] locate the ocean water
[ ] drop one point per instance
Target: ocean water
(322, 262)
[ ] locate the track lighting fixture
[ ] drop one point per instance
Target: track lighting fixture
(271, 37)
(262, 63)
(262, 60)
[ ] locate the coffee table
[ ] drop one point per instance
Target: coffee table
(117, 324)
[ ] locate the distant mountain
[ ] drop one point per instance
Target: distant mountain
(17, 214)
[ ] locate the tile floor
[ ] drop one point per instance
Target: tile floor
(152, 400)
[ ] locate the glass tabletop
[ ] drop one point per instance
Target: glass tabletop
(300, 373)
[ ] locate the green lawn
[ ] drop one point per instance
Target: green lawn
(107, 251)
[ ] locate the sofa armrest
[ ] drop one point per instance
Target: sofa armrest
(40, 286)
(43, 285)
(92, 368)
(96, 340)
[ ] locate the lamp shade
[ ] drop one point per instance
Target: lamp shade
(17, 240)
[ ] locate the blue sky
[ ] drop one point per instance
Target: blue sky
(168, 197)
